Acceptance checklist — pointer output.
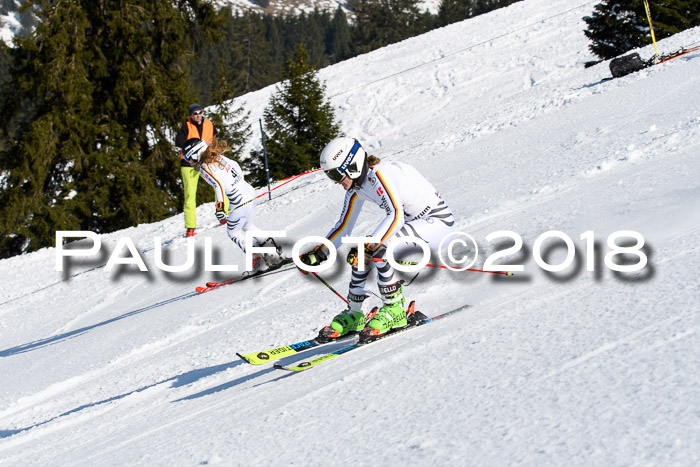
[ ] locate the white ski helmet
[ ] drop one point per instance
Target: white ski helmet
(343, 156)
(193, 149)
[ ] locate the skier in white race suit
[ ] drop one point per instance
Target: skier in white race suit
(413, 209)
(235, 198)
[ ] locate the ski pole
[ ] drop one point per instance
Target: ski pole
(329, 286)
(651, 28)
(414, 263)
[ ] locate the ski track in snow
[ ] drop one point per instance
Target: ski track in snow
(575, 367)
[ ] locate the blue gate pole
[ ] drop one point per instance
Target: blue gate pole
(267, 170)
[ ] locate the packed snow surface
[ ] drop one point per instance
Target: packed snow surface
(584, 366)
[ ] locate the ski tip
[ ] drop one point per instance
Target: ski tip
(202, 289)
(244, 358)
(296, 368)
(420, 316)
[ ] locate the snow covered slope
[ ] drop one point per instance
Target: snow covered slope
(580, 366)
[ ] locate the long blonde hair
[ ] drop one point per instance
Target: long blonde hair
(215, 149)
(373, 160)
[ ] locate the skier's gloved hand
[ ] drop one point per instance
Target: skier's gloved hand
(370, 250)
(352, 256)
(313, 257)
(220, 212)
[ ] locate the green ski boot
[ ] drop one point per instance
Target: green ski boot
(350, 321)
(391, 315)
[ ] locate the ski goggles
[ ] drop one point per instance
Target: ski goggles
(335, 174)
(338, 174)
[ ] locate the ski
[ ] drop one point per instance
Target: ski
(285, 265)
(676, 54)
(258, 358)
(421, 319)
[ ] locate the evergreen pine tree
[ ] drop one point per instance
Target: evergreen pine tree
(5, 61)
(315, 27)
(254, 68)
(292, 34)
(274, 40)
(452, 11)
(94, 93)
(484, 6)
(230, 121)
(617, 26)
(212, 57)
(339, 41)
(383, 22)
(299, 122)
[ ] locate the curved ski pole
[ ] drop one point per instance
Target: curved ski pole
(411, 281)
(329, 286)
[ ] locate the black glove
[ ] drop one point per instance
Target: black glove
(369, 251)
(352, 256)
(221, 213)
(313, 257)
